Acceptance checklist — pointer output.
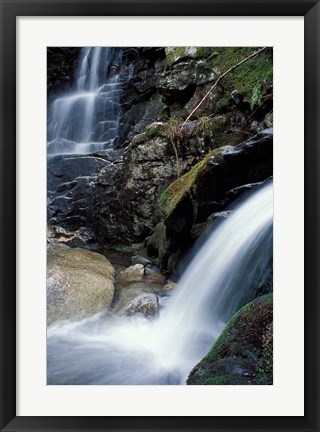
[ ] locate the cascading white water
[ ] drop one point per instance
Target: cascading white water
(222, 276)
(86, 119)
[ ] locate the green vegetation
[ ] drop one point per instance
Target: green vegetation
(224, 102)
(247, 340)
(243, 333)
(250, 79)
(207, 53)
(176, 191)
(172, 53)
(217, 379)
(205, 126)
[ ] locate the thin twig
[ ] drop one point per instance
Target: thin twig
(266, 98)
(176, 155)
(218, 80)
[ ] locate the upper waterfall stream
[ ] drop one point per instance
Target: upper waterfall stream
(225, 270)
(86, 118)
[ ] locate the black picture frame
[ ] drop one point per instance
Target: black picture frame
(10, 9)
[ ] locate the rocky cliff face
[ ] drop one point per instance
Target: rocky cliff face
(166, 86)
(120, 196)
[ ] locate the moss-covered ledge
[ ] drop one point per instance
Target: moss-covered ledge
(200, 195)
(235, 159)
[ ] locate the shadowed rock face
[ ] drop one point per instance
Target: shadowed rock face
(61, 67)
(192, 202)
(70, 180)
(79, 283)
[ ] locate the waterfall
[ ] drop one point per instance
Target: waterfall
(86, 118)
(222, 276)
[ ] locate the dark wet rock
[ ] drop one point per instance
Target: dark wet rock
(140, 260)
(227, 371)
(110, 155)
(71, 179)
(198, 229)
(243, 353)
(61, 63)
(83, 237)
(238, 191)
(125, 205)
(69, 189)
(207, 189)
(65, 169)
(157, 242)
(209, 104)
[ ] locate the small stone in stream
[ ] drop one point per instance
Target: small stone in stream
(146, 286)
(168, 287)
(145, 303)
(131, 274)
(140, 260)
(153, 273)
(134, 300)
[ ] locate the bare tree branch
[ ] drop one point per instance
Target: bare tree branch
(218, 80)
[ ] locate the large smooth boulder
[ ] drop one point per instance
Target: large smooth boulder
(79, 283)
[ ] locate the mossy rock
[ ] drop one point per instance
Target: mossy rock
(221, 170)
(178, 189)
(174, 54)
(248, 340)
(156, 245)
(250, 79)
(191, 200)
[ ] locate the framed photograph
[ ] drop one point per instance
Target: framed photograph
(159, 216)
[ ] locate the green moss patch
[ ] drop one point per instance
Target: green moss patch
(244, 332)
(245, 345)
(174, 53)
(249, 79)
(177, 190)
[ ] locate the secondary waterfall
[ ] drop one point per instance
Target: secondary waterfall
(86, 119)
(222, 276)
